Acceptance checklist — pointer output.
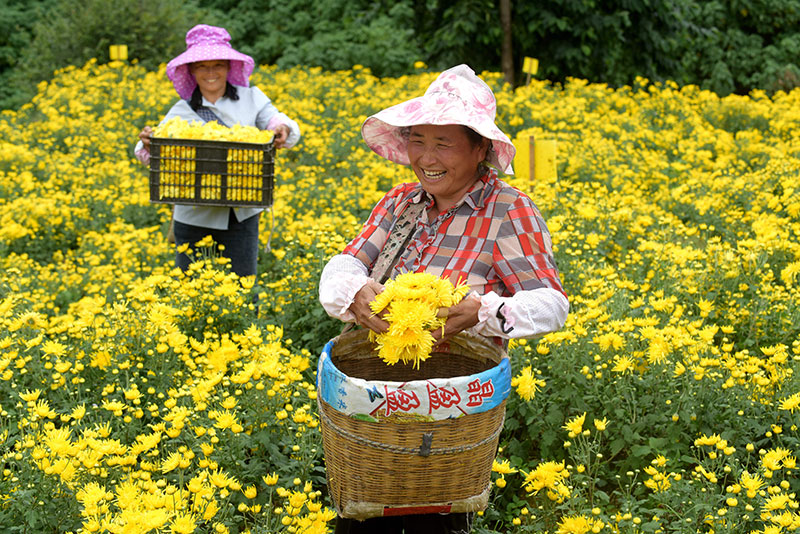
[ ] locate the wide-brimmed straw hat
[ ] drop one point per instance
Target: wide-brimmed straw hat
(208, 43)
(457, 96)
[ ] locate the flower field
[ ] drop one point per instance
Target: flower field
(135, 399)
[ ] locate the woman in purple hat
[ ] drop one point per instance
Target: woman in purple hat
(460, 221)
(213, 82)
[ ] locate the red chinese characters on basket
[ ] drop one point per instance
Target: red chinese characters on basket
(442, 398)
(479, 392)
(401, 400)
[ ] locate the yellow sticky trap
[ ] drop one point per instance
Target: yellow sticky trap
(522, 157)
(530, 65)
(118, 52)
(544, 160)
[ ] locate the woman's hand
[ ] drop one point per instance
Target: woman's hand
(459, 317)
(360, 308)
(145, 135)
(281, 135)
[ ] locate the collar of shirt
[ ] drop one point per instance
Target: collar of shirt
(475, 197)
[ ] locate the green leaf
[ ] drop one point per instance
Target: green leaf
(617, 445)
(658, 443)
(511, 424)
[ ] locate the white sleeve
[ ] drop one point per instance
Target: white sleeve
(294, 129)
(268, 117)
(342, 277)
(526, 314)
(141, 153)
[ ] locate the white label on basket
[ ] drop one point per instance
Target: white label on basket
(433, 399)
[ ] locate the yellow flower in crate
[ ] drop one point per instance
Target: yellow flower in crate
(411, 302)
(244, 174)
(211, 186)
(177, 171)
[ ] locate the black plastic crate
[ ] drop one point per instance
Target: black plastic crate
(211, 173)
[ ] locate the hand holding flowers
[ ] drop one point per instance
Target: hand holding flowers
(458, 317)
(419, 309)
(363, 312)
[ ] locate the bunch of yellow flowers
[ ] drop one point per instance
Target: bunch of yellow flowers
(411, 302)
(178, 128)
(244, 166)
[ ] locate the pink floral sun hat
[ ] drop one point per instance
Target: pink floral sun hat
(208, 43)
(457, 96)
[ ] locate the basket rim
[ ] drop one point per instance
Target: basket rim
(432, 398)
(211, 143)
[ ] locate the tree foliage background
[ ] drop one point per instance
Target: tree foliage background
(724, 45)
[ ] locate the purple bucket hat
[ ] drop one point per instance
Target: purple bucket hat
(457, 96)
(207, 43)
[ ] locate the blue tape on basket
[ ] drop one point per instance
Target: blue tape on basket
(433, 399)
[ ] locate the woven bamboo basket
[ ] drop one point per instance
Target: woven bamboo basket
(402, 465)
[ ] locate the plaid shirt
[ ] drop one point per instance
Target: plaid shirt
(495, 238)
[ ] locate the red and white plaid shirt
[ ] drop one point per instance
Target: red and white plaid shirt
(495, 239)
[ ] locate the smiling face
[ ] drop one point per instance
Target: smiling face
(445, 160)
(211, 77)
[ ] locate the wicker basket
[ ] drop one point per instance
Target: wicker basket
(403, 465)
(211, 173)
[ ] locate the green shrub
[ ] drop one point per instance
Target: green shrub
(63, 35)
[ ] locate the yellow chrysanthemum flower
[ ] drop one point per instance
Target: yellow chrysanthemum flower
(171, 462)
(503, 467)
(527, 384)
(791, 403)
(411, 303)
(183, 524)
(579, 524)
(575, 425)
(546, 475)
(751, 483)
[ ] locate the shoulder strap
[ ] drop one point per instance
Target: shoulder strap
(396, 243)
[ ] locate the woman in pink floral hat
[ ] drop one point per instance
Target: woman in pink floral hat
(459, 220)
(213, 82)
